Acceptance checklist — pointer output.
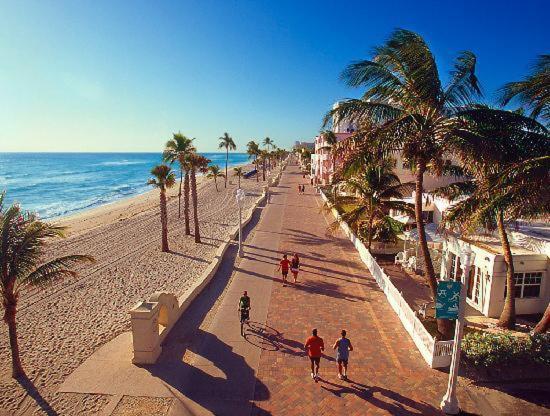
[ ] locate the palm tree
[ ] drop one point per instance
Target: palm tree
(495, 142)
(253, 150)
(375, 186)
(178, 149)
(196, 163)
(263, 159)
(215, 173)
(227, 142)
(238, 172)
(163, 178)
(412, 112)
(533, 92)
(268, 143)
(24, 237)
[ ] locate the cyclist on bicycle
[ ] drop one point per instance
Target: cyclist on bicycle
(244, 307)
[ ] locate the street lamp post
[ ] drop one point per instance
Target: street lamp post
(449, 403)
(239, 196)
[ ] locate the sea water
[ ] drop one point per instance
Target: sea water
(56, 184)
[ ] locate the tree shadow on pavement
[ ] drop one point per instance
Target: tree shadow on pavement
(396, 404)
(33, 392)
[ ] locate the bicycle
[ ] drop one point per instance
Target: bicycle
(244, 317)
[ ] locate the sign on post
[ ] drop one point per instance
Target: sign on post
(448, 299)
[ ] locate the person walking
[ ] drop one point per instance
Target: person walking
(284, 265)
(295, 266)
(314, 346)
(343, 347)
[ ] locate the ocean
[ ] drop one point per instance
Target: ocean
(57, 184)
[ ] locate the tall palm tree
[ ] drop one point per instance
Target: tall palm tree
(163, 178)
(413, 112)
(533, 92)
(178, 149)
(23, 238)
(375, 186)
(263, 160)
(238, 172)
(197, 163)
(214, 172)
(494, 142)
(253, 150)
(228, 144)
(268, 143)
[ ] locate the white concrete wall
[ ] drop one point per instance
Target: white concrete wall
(522, 263)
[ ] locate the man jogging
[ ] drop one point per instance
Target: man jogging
(343, 347)
(314, 346)
(284, 265)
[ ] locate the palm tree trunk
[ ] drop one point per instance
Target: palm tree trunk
(216, 183)
(226, 161)
(443, 325)
(257, 171)
(371, 219)
(9, 317)
(239, 179)
(186, 203)
(164, 220)
(544, 323)
(195, 206)
(263, 169)
(179, 193)
(508, 316)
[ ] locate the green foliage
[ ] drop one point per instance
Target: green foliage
(489, 350)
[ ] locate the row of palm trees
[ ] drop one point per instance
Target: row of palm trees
(266, 158)
(180, 150)
(504, 156)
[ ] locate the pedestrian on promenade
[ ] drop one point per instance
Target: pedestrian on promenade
(295, 267)
(343, 347)
(284, 265)
(299, 189)
(314, 346)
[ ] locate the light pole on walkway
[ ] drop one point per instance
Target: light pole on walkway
(239, 196)
(449, 403)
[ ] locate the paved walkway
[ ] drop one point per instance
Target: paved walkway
(213, 370)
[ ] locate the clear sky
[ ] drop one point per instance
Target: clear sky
(123, 75)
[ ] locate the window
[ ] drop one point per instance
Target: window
(477, 284)
(527, 285)
(452, 269)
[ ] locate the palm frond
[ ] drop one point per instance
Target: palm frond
(52, 270)
(464, 85)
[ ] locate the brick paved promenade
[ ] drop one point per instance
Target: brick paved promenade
(213, 370)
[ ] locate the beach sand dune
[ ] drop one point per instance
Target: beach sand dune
(62, 324)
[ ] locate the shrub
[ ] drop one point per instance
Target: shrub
(489, 350)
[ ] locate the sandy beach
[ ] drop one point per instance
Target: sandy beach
(59, 326)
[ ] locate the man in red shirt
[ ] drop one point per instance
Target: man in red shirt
(284, 265)
(314, 346)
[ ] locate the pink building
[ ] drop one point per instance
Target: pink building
(322, 168)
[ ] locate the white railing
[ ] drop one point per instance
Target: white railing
(436, 353)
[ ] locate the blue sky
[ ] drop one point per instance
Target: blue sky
(124, 75)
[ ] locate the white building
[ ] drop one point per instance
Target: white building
(486, 283)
